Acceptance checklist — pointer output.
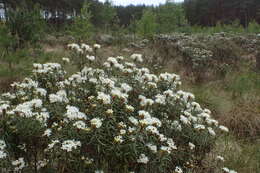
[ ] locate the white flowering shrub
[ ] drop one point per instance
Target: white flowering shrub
(205, 56)
(119, 117)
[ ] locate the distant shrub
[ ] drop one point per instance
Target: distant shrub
(253, 27)
(115, 118)
(206, 56)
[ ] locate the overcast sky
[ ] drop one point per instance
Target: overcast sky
(136, 2)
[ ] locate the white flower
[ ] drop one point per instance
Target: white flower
(41, 91)
(121, 125)
(106, 99)
(228, 170)
(211, 131)
(107, 65)
(47, 132)
(133, 120)
(3, 155)
(80, 125)
(137, 57)
(145, 102)
(117, 93)
(55, 98)
(108, 82)
(73, 113)
(112, 60)
(225, 170)
(223, 128)
(122, 132)
(153, 148)
(184, 120)
(68, 145)
(131, 129)
(199, 127)
(143, 159)
(125, 87)
(3, 107)
(51, 145)
(191, 145)
(97, 46)
(152, 130)
(73, 46)
(67, 60)
(160, 99)
(166, 149)
(86, 47)
(42, 163)
(220, 158)
(96, 122)
(129, 108)
(178, 170)
(99, 171)
(109, 112)
(18, 164)
(2, 145)
(118, 139)
(143, 114)
(171, 144)
(90, 58)
(162, 138)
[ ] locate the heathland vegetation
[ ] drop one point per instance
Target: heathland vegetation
(90, 87)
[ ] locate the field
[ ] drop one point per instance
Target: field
(92, 87)
(227, 84)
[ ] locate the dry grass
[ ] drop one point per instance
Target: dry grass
(244, 119)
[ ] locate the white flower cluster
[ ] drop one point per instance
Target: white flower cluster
(46, 68)
(18, 164)
(121, 105)
(143, 159)
(226, 170)
(2, 148)
(73, 113)
(69, 145)
(83, 47)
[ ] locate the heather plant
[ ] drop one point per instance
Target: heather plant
(115, 118)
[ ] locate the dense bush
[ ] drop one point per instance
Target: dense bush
(118, 118)
(206, 56)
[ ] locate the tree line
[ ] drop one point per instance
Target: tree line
(211, 12)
